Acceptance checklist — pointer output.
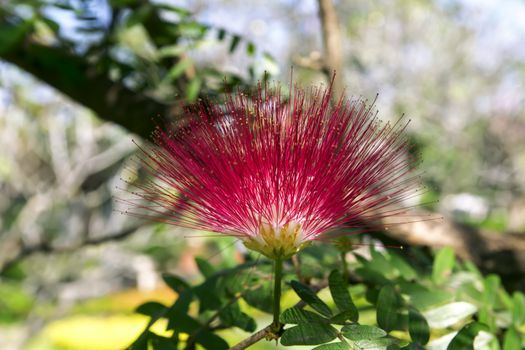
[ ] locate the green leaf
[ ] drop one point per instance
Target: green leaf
(141, 343)
(162, 343)
(418, 327)
(388, 305)
(311, 298)
(380, 263)
(178, 10)
(179, 308)
(204, 267)
(449, 314)
(333, 346)
(234, 43)
(183, 323)
(465, 337)
(362, 332)
(405, 270)
(443, 265)
(13, 34)
(192, 29)
(312, 333)
(193, 89)
(139, 15)
(341, 296)
(485, 316)
(175, 283)
(152, 309)
(372, 276)
(260, 297)
(512, 340)
(221, 33)
(423, 299)
(296, 315)
(208, 294)
(491, 285)
(250, 49)
(343, 317)
(412, 346)
(232, 316)
(518, 309)
(375, 344)
(179, 68)
(121, 3)
(211, 341)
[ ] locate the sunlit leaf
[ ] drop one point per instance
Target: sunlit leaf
(333, 346)
(443, 264)
(449, 314)
(375, 344)
(193, 88)
(511, 340)
(518, 308)
(362, 332)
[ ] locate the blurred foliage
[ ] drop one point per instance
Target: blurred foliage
(15, 303)
(148, 47)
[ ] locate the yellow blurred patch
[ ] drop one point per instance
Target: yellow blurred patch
(100, 332)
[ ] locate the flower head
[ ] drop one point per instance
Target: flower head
(277, 173)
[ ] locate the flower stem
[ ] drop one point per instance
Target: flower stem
(346, 274)
(278, 275)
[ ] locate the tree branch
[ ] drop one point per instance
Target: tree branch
(494, 252)
(82, 82)
(46, 247)
(332, 43)
(254, 338)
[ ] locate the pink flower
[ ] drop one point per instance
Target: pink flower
(277, 173)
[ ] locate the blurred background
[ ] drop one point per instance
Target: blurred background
(81, 79)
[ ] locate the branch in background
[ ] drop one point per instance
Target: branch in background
(332, 43)
(85, 85)
(45, 247)
(313, 61)
(494, 252)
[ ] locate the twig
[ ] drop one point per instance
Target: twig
(297, 267)
(254, 338)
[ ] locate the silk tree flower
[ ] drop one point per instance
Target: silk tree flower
(277, 173)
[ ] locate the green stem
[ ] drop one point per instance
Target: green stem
(346, 274)
(278, 275)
